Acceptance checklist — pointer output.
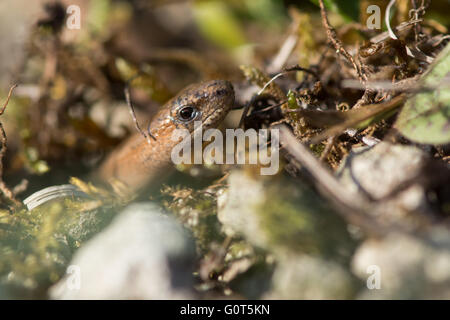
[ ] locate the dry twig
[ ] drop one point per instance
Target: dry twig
(353, 208)
(147, 135)
(332, 37)
(330, 143)
(3, 188)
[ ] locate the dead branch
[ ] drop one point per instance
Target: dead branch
(353, 208)
(332, 37)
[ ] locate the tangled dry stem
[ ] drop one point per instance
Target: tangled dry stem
(3, 188)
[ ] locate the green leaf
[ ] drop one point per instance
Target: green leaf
(269, 12)
(98, 15)
(425, 117)
(218, 24)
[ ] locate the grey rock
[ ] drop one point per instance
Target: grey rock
(280, 214)
(388, 174)
(408, 268)
(379, 170)
(236, 207)
(143, 254)
(307, 277)
(306, 240)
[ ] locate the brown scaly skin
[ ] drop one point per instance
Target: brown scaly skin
(137, 162)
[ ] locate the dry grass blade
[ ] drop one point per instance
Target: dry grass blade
(359, 115)
(7, 98)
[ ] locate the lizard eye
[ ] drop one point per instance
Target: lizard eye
(187, 113)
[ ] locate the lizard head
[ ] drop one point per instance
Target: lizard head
(208, 102)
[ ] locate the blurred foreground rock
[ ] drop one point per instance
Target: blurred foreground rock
(308, 241)
(392, 176)
(408, 268)
(378, 170)
(143, 254)
(307, 277)
(282, 215)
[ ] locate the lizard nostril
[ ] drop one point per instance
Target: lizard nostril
(221, 92)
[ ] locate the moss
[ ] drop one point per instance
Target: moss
(36, 246)
(296, 219)
(197, 210)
